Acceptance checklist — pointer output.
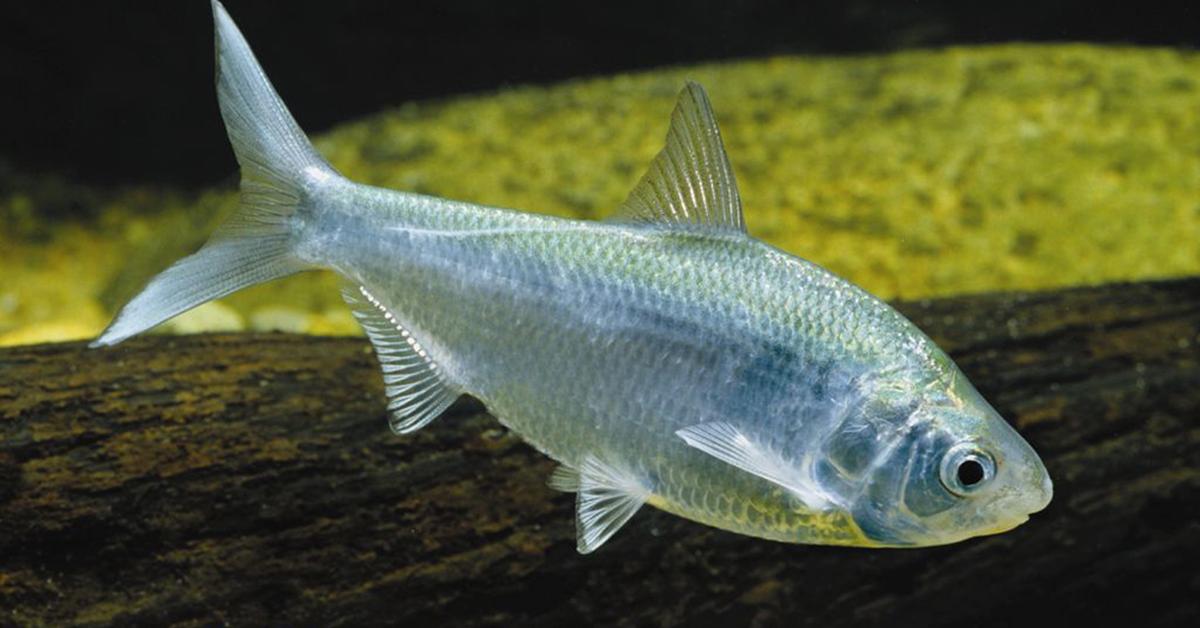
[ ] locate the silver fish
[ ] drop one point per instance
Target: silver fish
(664, 357)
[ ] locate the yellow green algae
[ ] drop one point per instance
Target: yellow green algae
(913, 174)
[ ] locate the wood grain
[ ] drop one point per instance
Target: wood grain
(251, 479)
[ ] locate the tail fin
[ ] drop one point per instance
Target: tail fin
(278, 166)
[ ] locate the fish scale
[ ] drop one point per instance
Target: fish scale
(621, 385)
(665, 357)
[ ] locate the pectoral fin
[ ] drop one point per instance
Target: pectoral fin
(731, 445)
(606, 496)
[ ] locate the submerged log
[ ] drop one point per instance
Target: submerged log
(252, 479)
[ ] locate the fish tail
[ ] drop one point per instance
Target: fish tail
(280, 172)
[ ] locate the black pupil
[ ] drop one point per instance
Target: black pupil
(970, 473)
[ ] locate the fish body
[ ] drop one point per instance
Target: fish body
(664, 358)
(606, 339)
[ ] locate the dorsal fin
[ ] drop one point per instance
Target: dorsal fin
(690, 182)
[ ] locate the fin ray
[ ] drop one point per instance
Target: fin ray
(607, 498)
(256, 244)
(690, 182)
(730, 445)
(564, 479)
(417, 390)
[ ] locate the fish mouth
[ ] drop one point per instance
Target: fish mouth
(1001, 528)
(1027, 505)
(1047, 492)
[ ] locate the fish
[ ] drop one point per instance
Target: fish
(662, 357)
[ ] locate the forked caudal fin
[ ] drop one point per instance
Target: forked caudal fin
(279, 166)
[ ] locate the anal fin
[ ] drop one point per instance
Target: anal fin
(606, 497)
(417, 387)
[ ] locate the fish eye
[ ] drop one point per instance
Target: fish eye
(966, 468)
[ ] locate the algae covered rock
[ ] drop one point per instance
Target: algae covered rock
(214, 316)
(913, 174)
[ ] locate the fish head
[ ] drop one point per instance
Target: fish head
(956, 470)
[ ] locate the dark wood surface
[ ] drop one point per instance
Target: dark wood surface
(252, 479)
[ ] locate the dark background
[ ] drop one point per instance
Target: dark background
(121, 92)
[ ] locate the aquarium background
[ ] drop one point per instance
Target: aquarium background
(921, 149)
(918, 149)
